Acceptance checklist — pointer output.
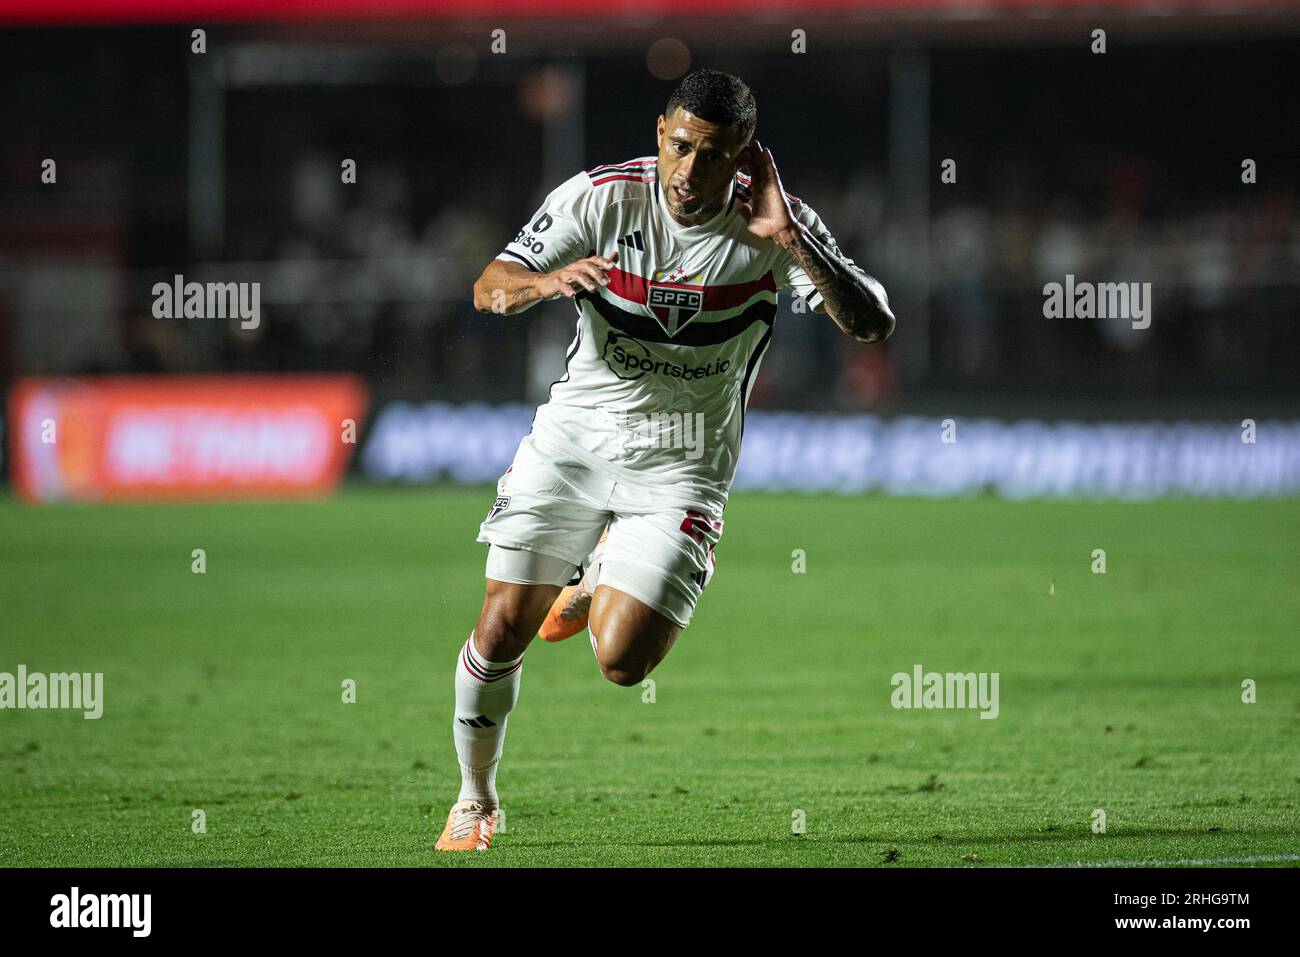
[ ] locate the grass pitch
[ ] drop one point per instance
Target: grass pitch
(1119, 691)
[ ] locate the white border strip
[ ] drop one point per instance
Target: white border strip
(1193, 862)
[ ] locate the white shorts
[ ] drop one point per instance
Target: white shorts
(549, 512)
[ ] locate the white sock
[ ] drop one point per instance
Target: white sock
(591, 578)
(589, 582)
(486, 692)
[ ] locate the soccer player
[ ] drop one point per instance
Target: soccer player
(673, 262)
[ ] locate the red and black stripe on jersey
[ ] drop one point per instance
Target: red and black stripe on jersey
(716, 298)
(696, 333)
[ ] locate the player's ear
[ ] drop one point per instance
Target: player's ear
(742, 158)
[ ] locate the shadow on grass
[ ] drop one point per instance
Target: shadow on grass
(1072, 836)
(950, 839)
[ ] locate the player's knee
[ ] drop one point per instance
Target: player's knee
(624, 674)
(621, 667)
(502, 634)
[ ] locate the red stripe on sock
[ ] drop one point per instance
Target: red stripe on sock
(483, 674)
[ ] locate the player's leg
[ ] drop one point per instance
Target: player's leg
(489, 669)
(631, 638)
(654, 569)
(538, 533)
(510, 615)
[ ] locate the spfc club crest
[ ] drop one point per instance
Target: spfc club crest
(500, 505)
(673, 305)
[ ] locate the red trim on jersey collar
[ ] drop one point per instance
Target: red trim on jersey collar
(617, 167)
(637, 171)
(638, 178)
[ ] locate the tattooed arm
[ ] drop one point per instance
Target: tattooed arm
(507, 288)
(856, 301)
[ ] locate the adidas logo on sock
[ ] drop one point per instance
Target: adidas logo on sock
(633, 240)
(482, 721)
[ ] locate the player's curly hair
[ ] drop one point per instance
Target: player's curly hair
(717, 97)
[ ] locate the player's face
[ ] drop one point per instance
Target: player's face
(697, 161)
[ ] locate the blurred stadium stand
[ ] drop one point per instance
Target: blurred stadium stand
(1117, 167)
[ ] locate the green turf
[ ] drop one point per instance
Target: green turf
(1121, 691)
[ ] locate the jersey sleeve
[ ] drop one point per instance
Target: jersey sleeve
(788, 271)
(559, 233)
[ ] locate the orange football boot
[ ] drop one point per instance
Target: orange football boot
(469, 827)
(568, 615)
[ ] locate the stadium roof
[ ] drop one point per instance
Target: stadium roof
(739, 14)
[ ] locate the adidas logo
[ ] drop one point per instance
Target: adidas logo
(633, 240)
(482, 721)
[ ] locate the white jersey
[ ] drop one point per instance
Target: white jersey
(659, 372)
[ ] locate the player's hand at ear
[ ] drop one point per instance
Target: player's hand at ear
(744, 209)
(584, 275)
(744, 162)
(743, 159)
(769, 211)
